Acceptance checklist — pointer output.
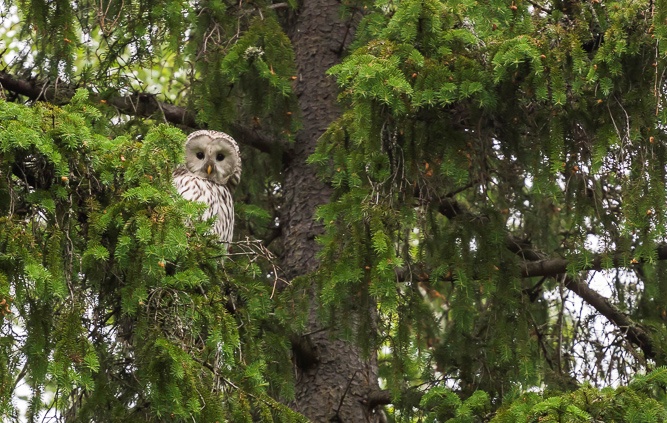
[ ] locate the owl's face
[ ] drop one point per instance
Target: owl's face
(214, 156)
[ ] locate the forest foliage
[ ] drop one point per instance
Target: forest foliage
(108, 294)
(479, 143)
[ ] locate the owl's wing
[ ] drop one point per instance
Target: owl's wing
(223, 207)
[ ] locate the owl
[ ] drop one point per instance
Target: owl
(211, 172)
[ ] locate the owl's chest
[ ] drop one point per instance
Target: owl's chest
(194, 188)
(218, 198)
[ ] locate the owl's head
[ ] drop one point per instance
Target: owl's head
(213, 155)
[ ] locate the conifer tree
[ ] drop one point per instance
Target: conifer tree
(449, 211)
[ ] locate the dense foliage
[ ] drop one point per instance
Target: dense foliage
(111, 300)
(495, 234)
(478, 137)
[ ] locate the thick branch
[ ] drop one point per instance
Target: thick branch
(633, 332)
(147, 105)
(139, 104)
(557, 266)
(52, 93)
(378, 397)
(263, 142)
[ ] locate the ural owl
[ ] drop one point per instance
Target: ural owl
(212, 170)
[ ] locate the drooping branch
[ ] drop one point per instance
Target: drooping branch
(138, 104)
(535, 263)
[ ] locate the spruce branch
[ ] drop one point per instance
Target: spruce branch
(535, 263)
(35, 90)
(557, 266)
(137, 104)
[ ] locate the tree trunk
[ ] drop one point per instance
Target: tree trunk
(333, 377)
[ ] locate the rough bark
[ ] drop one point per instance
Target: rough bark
(334, 378)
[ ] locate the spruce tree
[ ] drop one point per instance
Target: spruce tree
(433, 195)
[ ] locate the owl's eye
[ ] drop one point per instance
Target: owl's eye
(220, 157)
(200, 155)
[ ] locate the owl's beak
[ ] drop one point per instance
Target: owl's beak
(209, 169)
